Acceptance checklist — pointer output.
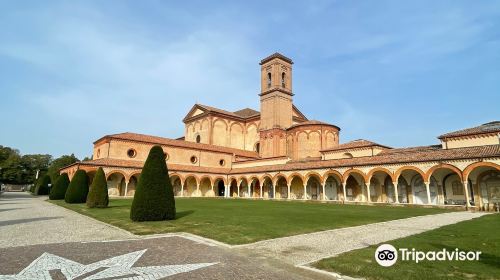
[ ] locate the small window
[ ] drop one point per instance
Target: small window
(198, 138)
(348, 155)
(268, 80)
(194, 159)
(98, 153)
(283, 79)
(257, 147)
(222, 162)
(166, 156)
(131, 153)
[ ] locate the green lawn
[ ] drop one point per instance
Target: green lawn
(239, 221)
(481, 234)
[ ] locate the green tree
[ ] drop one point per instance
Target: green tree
(98, 192)
(59, 188)
(78, 188)
(43, 187)
(59, 163)
(154, 196)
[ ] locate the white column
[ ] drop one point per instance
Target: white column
(368, 196)
(248, 190)
(396, 191)
(126, 188)
(260, 191)
(289, 195)
(238, 192)
(427, 188)
(228, 189)
(343, 189)
(274, 190)
(305, 191)
(466, 191)
(323, 188)
(182, 189)
(198, 189)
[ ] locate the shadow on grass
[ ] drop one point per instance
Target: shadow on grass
(485, 258)
(182, 214)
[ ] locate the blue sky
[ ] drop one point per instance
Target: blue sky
(396, 72)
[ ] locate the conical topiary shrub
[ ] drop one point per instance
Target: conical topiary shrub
(58, 190)
(78, 188)
(98, 192)
(154, 196)
(43, 187)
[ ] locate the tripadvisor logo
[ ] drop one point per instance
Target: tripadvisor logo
(386, 255)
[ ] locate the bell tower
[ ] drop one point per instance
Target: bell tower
(275, 104)
(276, 92)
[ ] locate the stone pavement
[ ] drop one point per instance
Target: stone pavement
(306, 248)
(39, 240)
(29, 220)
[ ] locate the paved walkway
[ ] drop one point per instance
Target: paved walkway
(29, 220)
(307, 248)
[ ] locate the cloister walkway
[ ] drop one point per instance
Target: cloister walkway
(306, 248)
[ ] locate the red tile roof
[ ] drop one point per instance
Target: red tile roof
(312, 122)
(276, 55)
(491, 127)
(135, 137)
(393, 156)
(139, 164)
(355, 144)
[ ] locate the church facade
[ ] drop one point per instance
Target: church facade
(278, 153)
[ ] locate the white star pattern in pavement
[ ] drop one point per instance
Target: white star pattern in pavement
(119, 266)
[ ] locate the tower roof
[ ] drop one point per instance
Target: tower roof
(276, 55)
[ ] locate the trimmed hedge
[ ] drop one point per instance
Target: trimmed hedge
(43, 187)
(58, 190)
(78, 188)
(98, 192)
(154, 196)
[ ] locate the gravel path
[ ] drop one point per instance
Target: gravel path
(306, 248)
(29, 220)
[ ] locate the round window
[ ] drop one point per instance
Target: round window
(194, 159)
(131, 153)
(222, 162)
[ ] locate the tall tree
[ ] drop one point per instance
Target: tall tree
(154, 196)
(98, 191)
(59, 163)
(78, 188)
(59, 188)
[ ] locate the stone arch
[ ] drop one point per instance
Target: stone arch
(219, 178)
(210, 179)
(220, 128)
(471, 167)
(355, 171)
(197, 180)
(206, 186)
(177, 182)
(379, 169)
(243, 187)
(314, 174)
(295, 174)
(333, 173)
(267, 175)
(116, 182)
(116, 171)
(408, 167)
(174, 174)
(190, 185)
(254, 186)
(296, 186)
(278, 176)
(442, 166)
(233, 178)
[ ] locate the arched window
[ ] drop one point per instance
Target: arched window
(268, 80)
(198, 138)
(348, 155)
(283, 78)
